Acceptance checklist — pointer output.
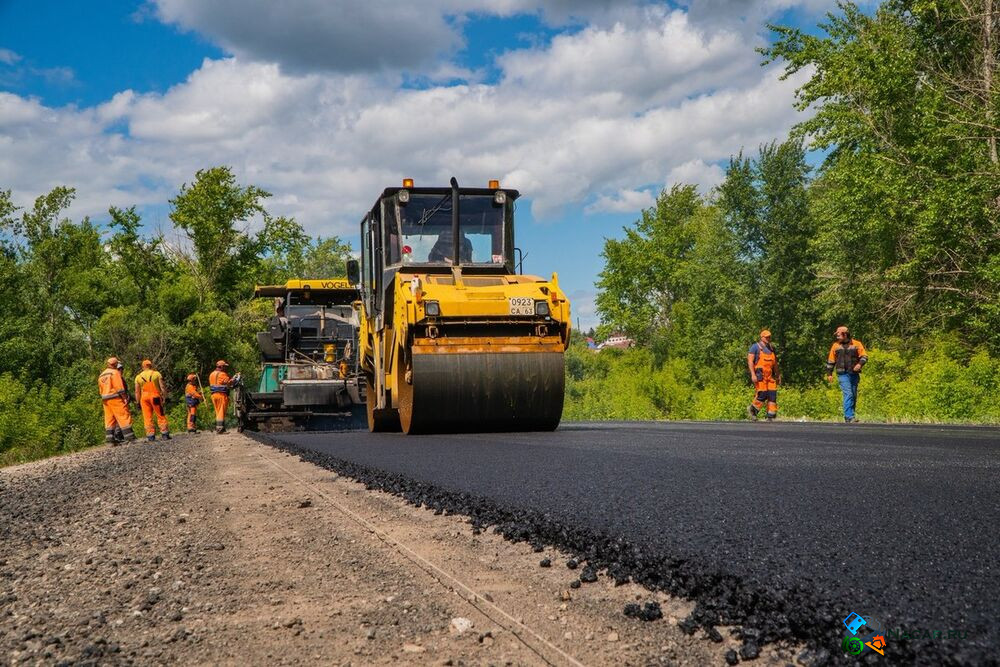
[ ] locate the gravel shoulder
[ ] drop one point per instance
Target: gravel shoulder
(222, 550)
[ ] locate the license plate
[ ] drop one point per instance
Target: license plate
(522, 305)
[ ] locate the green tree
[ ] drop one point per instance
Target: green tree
(639, 284)
(65, 281)
(139, 260)
(908, 198)
(765, 202)
(307, 258)
(215, 213)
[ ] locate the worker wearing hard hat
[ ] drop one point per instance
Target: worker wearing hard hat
(762, 362)
(119, 436)
(219, 385)
(193, 398)
(114, 399)
(847, 357)
(150, 392)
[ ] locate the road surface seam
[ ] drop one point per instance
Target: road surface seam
(443, 577)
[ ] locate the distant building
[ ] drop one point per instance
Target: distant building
(618, 340)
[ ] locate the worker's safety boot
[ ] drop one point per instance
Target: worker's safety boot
(150, 438)
(165, 435)
(752, 413)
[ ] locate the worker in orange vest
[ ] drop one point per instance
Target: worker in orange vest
(114, 398)
(219, 385)
(119, 437)
(762, 362)
(150, 393)
(847, 357)
(193, 398)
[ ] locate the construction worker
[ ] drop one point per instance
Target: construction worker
(443, 248)
(765, 374)
(847, 356)
(119, 436)
(150, 392)
(219, 385)
(193, 398)
(114, 398)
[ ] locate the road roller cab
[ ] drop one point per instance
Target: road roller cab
(456, 341)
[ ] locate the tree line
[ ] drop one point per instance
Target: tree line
(895, 232)
(73, 293)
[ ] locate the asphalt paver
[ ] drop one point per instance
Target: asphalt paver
(783, 529)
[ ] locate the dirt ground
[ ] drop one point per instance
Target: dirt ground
(220, 550)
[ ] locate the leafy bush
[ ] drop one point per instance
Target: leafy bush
(935, 385)
(41, 421)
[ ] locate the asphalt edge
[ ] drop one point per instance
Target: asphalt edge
(760, 617)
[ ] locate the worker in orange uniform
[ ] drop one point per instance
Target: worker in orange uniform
(193, 398)
(762, 362)
(150, 392)
(219, 385)
(119, 437)
(114, 398)
(847, 357)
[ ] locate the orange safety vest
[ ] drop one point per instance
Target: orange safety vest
(148, 382)
(765, 359)
(218, 382)
(110, 384)
(845, 356)
(191, 395)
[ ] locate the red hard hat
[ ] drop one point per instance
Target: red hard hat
(192, 377)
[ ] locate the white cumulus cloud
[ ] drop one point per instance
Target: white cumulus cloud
(597, 118)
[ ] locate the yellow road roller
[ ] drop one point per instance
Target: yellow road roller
(452, 338)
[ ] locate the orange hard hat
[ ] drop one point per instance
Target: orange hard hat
(220, 363)
(146, 363)
(765, 334)
(112, 362)
(192, 377)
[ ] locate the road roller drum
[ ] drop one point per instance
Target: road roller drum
(482, 392)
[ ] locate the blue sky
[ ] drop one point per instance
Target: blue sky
(589, 114)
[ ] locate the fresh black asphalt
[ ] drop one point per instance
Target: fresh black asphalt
(783, 529)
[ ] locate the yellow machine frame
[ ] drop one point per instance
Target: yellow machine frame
(450, 332)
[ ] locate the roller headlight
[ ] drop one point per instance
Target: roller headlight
(542, 308)
(403, 196)
(499, 197)
(432, 308)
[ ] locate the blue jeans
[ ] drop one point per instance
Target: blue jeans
(849, 387)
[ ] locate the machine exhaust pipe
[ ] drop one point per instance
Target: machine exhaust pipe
(456, 245)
